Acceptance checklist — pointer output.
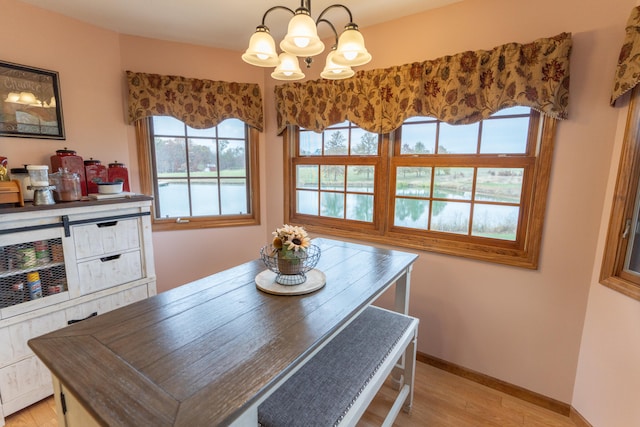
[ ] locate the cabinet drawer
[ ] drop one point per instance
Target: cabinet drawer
(106, 303)
(109, 271)
(130, 296)
(105, 237)
(13, 339)
(23, 383)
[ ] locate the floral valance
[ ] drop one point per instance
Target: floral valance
(628, 70)
(458, 89)
(199, 103)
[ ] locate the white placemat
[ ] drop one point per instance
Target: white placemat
(266, 282)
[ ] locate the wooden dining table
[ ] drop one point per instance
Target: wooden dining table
(209, 352)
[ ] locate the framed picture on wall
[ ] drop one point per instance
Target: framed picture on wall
(30, 104)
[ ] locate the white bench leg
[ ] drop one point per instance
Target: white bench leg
(410, 369)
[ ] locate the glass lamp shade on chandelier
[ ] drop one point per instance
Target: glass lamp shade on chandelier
(302, 40)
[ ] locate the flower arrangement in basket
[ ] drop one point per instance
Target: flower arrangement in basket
(290, 254)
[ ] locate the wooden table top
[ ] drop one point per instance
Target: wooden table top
(200, 354)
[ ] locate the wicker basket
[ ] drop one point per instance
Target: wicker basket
(290, 269)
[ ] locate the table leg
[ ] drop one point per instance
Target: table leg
(403, 287)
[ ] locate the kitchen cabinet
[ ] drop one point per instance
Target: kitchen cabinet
(87, 257)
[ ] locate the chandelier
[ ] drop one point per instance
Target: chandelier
(302, 40)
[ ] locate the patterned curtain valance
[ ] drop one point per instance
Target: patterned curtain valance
(199, 103)
(458, 89)
(628, 70)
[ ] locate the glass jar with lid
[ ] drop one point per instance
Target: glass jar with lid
(67, 186)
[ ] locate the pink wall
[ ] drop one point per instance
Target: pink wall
(88, 62)
(554, 330)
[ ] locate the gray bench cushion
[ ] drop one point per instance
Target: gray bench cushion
(324, 389)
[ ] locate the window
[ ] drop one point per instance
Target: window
(199, 177)
(621, 261)
(335, 173)
(476, 190)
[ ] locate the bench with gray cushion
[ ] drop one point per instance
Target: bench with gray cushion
(338, 383)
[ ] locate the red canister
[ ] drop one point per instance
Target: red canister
(119, 173)
(95, 172)
(67, 159)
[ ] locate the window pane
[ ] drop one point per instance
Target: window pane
(413, 181)
(360, 178)
(192, 188)
(415, 119)
(451, 217)
(632, 261)
(505, 135)
(632, 250)
(494, 221)
(202, 157)
(232, 128)
(307, 176)
(307, 202)
(165, 125)
(332, 204)
(233, 196)
(453, 183)
(499, 184)
(232, 158)
(344, 124)
(419, 138)
(461, 139)
(210, 132)
(363, 142)
(310, 143)
(332, 177)
(512, 111)
(171, 157)
(360, 207)
(335, 142)
(411, 213)
(204, 197)
(173, 198)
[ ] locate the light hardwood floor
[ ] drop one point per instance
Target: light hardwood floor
(441, 399)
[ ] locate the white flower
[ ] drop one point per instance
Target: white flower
(291, 237)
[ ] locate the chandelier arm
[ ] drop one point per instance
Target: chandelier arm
(331, 25)
(271, 9)
(332, 7)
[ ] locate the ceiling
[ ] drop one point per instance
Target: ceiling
(222, 24)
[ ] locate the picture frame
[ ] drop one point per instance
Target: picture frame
(30, 103)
